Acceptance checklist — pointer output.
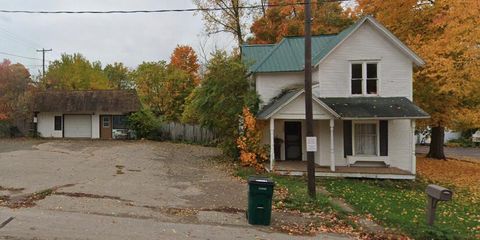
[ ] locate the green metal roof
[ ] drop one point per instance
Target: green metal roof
(374, 107)
(288, 54)
(252, 53)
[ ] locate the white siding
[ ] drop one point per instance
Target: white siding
(395, 68)
(399, 142)
(46, 122)
(296, 110)
(46, 125)
(270, 85)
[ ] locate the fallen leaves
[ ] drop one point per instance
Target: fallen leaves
(460, 173)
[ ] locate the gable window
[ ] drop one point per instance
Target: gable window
(58, 123)
(364, 78)
(365, 139)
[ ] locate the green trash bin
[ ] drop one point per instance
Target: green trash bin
(260, 193)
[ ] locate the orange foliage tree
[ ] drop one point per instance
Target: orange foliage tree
(445, 34)
(185, 58)
(252, 151)
(286, 18)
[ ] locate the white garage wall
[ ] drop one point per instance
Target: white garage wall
(46, 125)
(95, 126)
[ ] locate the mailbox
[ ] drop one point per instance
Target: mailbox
(435, 194)
(439, 193)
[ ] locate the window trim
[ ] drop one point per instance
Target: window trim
(377, 134)
(364, 77)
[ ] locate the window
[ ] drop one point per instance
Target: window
(372, 78)
(120, 122)
(106, 121)
(365, 139)
(58, 123)
(357, 78)
(364, 77)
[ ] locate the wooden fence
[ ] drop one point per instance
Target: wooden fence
(186, 132)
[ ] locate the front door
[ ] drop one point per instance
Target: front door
(293, 141)
(106, 127)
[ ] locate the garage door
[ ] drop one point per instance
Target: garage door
(77, 126)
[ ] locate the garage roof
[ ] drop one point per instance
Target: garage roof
(123, 101)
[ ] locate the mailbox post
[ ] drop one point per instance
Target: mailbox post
(435, 194)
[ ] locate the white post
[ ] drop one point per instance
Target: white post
(272, 143)
(412, 143)
(332, 147)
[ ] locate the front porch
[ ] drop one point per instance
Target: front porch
(299, 168)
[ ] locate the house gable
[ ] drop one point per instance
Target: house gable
(367, 44)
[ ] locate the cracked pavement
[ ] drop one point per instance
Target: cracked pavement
(88, 189)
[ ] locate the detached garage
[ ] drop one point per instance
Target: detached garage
(84, 114)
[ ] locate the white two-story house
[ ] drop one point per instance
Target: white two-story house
(364, 117)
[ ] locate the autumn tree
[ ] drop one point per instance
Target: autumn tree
(232, 17)
(118, 76)
(75, 72)
(286, 18)
(163, 88)
(185, 58)
(445, 34)
(218, 103)
(15, 90)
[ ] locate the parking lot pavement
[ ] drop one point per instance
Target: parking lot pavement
(120, 190)
(455, 152)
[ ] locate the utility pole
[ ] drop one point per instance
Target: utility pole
(43, 50)
(308, 102)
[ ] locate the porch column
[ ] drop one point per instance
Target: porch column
(272, 143)
(332, 147)
(412, 144)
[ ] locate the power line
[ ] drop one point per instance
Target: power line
(20, 56)
(18, 38)
(157, 10)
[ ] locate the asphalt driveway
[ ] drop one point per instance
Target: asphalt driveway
(120, 190)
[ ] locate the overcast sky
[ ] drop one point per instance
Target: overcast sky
(127, 38)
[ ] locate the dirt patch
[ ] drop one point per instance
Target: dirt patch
(29, 200)
(88, 195)
(11, 189)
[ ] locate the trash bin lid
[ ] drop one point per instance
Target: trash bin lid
(259, 180)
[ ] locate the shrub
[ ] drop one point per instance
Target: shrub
(146, 125)
(252, 151)
(4, 129)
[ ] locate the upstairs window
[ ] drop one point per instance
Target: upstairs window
(372, 78)
(364, 78)
(357, 78)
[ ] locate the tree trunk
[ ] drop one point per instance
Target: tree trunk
(436, 143)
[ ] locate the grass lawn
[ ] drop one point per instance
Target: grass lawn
(297, 197)
(400, 205)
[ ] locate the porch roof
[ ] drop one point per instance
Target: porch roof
(375, 107)
(351, 107)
